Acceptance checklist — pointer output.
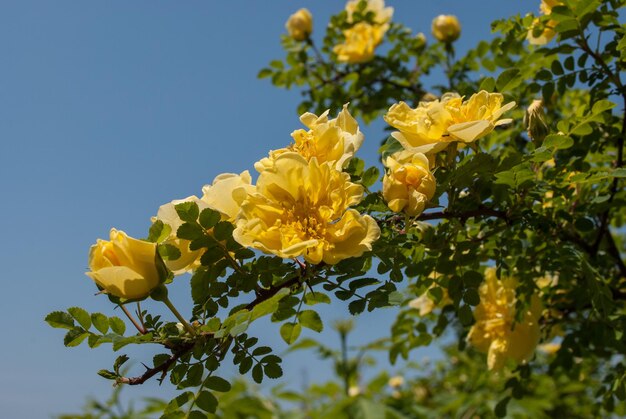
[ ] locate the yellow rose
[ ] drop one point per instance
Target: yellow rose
(361, 41)
(434, 124)
(334, 141)
(496, 331)
(477, 116)
(301, 208)
(125, 267)
(382, 14)
(548, 31)
(408, 184)
(227, 193)
(422, 129)
(300, 25)
(189, 259)
(446, 28)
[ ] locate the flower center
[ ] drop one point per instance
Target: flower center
(306, 221)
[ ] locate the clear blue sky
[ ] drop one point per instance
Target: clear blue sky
(110, 109)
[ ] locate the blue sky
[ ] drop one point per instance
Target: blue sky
(110, 109)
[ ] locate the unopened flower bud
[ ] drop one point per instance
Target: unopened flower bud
(446, 28)
(535, 122)
(420, 41)
(300, 25)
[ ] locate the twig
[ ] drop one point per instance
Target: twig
(139, 328)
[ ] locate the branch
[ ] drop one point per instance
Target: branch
(481, 211)
(151, 372)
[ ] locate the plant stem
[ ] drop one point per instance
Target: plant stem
(133, 321)
(187, 326)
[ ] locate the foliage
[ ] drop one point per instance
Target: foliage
(546, 211)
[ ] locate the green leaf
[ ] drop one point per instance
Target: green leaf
(273, 370)
(245, 365)
(189, 231)
(117, 325)
(209, 218)
(370, 176)
(620, 173)
(109, 375)
(179, 401)
(316, 297)
(601, 106)
(558, 141)
(168, 251)
(188, 211)
(119, 362)
(500, 409)
(357, 306)
(508, 79)
(200, 286)
(217, 384)
(206, 401)
(311, 320)
(465, 315)
(81, 316)
(60, 320)
(223, 230)
(290, 332)
(268, 306)
(395, 298)
(257, 373)
(488, 84)
(100, 322)
(158, 232)
(471, 296)
(264, 73)
(195, 414)
(556, 67)
(74, 337)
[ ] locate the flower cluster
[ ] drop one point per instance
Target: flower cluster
(362, 38)
(433, 125)
(299, 207)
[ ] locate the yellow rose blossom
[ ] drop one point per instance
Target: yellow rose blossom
(334, 141)
(446, 28)
(477, 116)
(548, 31)
(382, 14)
(361, 41)
(496, 331)
(300, 25)
(227, 193)
(125, 267)
(408, 184)
(422, 129)
(434, 124)
(189, 259)
(301, 208)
